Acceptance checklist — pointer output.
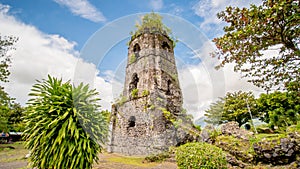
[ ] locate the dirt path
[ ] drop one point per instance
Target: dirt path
(116, 161)
(13, 158)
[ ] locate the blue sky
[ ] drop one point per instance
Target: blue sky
(55, 34)
(55, 17)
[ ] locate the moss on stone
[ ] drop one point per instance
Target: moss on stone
(132, 58)
(241, 149)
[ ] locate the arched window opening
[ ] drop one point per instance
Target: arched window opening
(134, 82)
(169, 87)
(131, 121)
(166, 46)
(136, 49)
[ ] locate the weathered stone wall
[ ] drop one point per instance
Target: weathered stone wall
(150, 134)
(245, 149)
(138, 125)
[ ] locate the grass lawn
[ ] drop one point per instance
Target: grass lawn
(12, 156)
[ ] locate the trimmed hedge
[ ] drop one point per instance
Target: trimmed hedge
(200, 155)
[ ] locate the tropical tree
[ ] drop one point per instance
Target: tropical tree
(15, 117)
(251, 32)
(279, 109)
(6, 45)
(238, 106)
(64, 126)
(215, 112)
(4, 109)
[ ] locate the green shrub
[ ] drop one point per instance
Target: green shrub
(63, 125)
(200, 155)
(135, 93)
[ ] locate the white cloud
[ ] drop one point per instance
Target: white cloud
(201, 83)
(38, 54)
(208, 9)
(83, 8)
(175, 10)
(156, 5)
(4, 8)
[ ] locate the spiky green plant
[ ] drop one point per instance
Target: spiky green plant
(64, 125)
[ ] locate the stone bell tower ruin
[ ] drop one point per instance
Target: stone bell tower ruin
(142, 121)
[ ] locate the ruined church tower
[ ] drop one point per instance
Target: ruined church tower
(142, 120)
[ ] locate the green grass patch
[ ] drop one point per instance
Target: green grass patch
(135, 161)
(266, 138)
(12, 152)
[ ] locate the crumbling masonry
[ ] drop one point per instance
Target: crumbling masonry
(139, 123)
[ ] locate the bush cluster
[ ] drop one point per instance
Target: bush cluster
(200, 155)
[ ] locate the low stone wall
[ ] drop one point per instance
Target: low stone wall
(245, 149)
(280, 151)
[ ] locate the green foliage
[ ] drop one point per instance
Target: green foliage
(6, 45)
(132, 58)
(215, 111)
(233, 107)
(251, 31)
(106, 114)
(64, 125)
(145, 93)
(168, 115)
(11, 113)
(197, 127)
(279, 109)
(200, 155)
(135, 93)
(236, 107)
(294, 87)
(15, 118)
(153, 23)
(158, 157)
(4, 109)
(294, 128)
(233, 144)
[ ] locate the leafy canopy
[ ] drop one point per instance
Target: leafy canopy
(6, 45)
(272, 26)
(152, 23)
(64, 125)
(279, 109)
(233, 107)
(215, 111)
(4, 109)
